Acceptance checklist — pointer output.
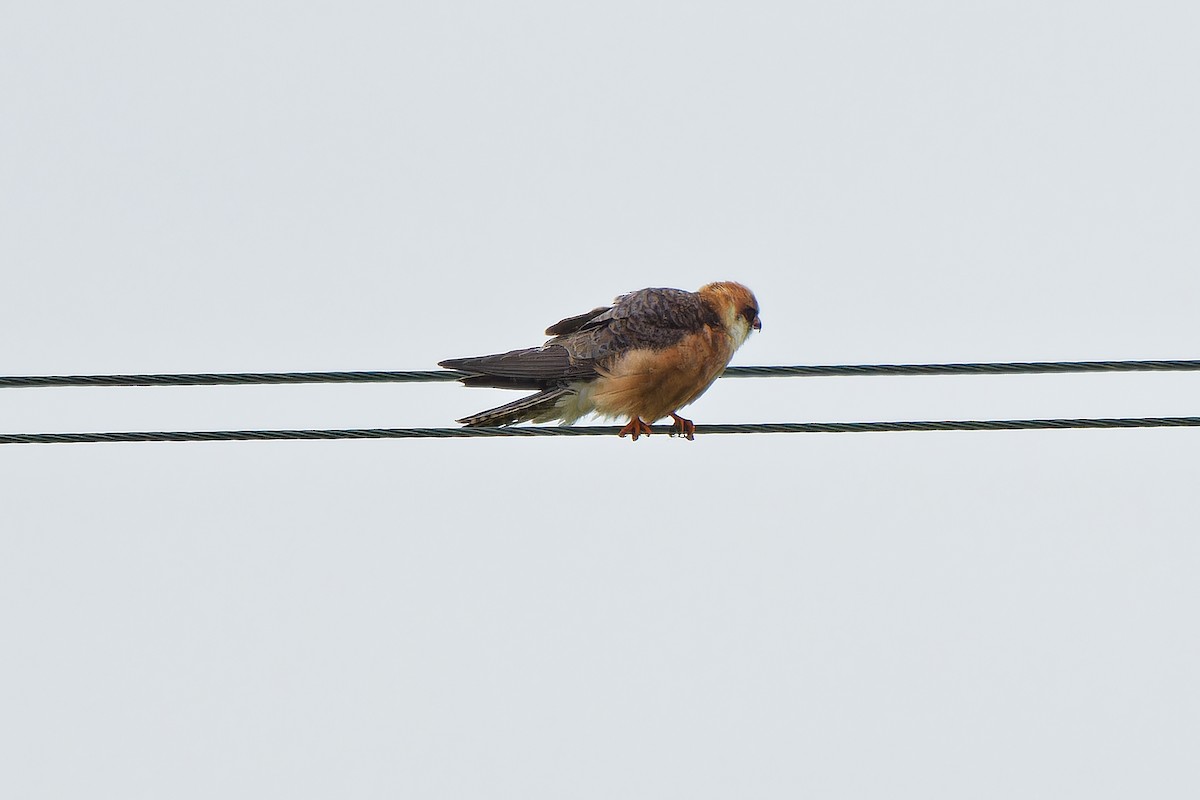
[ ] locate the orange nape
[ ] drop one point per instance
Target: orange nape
(682, 427)
(635, 428)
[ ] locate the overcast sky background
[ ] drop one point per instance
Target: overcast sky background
(259, 186)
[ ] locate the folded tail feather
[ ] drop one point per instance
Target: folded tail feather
(538, 407)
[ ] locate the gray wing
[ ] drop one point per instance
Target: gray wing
(531, 368)
(646, 319)
(651, 319)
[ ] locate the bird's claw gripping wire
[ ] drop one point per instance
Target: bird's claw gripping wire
(682, 427)
(635, 428)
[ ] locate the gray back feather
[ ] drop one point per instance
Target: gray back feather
(646, 319)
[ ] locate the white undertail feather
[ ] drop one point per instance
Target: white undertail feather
(576, 404)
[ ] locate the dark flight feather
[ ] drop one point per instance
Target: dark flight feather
(572, 324)
(534, 363)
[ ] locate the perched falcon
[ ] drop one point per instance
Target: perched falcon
(644, 357)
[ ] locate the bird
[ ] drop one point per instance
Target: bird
(649, 354)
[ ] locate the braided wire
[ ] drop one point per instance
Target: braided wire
(596, 430)
(232, 378)
(992, 368)
(425, 376)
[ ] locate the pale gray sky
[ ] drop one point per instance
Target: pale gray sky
(273, 186)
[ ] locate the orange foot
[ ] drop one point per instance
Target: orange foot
(636, 428)
(683, 427)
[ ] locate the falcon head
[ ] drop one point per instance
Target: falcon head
(736, 306)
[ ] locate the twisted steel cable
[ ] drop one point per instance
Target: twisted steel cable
(596, 430)
(426, 376)
(421, 376)
(231, 378)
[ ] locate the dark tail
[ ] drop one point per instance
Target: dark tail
(538, 407)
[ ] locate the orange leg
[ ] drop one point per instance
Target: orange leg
(635, 428)
(683, 427)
